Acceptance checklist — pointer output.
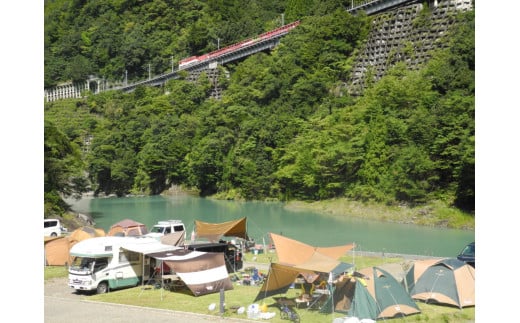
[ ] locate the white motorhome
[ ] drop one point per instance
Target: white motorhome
(105, 263)
(163, 228)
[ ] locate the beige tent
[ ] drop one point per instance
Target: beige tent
(57, 249)
(214, 231)
(85, 233)
(127, 227)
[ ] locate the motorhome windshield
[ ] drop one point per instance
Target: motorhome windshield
(89, 264)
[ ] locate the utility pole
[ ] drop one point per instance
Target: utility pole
(283, 23)
(172, 64)
(218, 43)
(126, 77)
(149, 72)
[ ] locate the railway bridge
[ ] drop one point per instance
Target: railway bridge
(209, 62)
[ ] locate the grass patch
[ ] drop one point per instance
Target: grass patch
(436, 213)
(51, 272)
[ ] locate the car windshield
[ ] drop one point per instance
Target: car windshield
(157, 230)
(469, 250)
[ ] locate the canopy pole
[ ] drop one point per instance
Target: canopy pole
(266, 283)
(162, 279)
(263, 240)
(354, 255)
(142, 276)
(331, 282)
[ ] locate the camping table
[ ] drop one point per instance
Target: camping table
(318, 298)
(304, 301)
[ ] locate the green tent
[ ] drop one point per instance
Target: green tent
(371, 293)
(446, 281)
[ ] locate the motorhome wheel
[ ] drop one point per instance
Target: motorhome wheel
(102, 288)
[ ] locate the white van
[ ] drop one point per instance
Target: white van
(52, 228)
(163, 228)
(105, 263)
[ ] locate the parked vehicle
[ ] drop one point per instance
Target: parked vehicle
(105, 263)
(53, 228)
(468, 254)
(166, 227)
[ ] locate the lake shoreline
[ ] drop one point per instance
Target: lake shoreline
(431, 215)
(435, 214)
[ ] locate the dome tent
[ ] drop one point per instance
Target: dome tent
(127, 227)
(371, 293)
(446, 281)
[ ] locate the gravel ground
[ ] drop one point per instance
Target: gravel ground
(63, 305)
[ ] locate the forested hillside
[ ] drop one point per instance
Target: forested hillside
(285, 127)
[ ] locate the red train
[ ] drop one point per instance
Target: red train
(267, 35)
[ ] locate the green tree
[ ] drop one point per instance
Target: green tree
(63, 170)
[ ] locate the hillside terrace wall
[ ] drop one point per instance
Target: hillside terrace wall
(406, 34)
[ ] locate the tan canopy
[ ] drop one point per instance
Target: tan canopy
(214, 231)
(295, 253)
(298, 258)
(279, 278)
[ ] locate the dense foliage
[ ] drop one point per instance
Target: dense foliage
(285, 128)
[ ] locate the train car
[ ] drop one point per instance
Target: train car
(183, 63)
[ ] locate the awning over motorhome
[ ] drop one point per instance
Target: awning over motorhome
(213, 231)
(203, 272)
(146, 245)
